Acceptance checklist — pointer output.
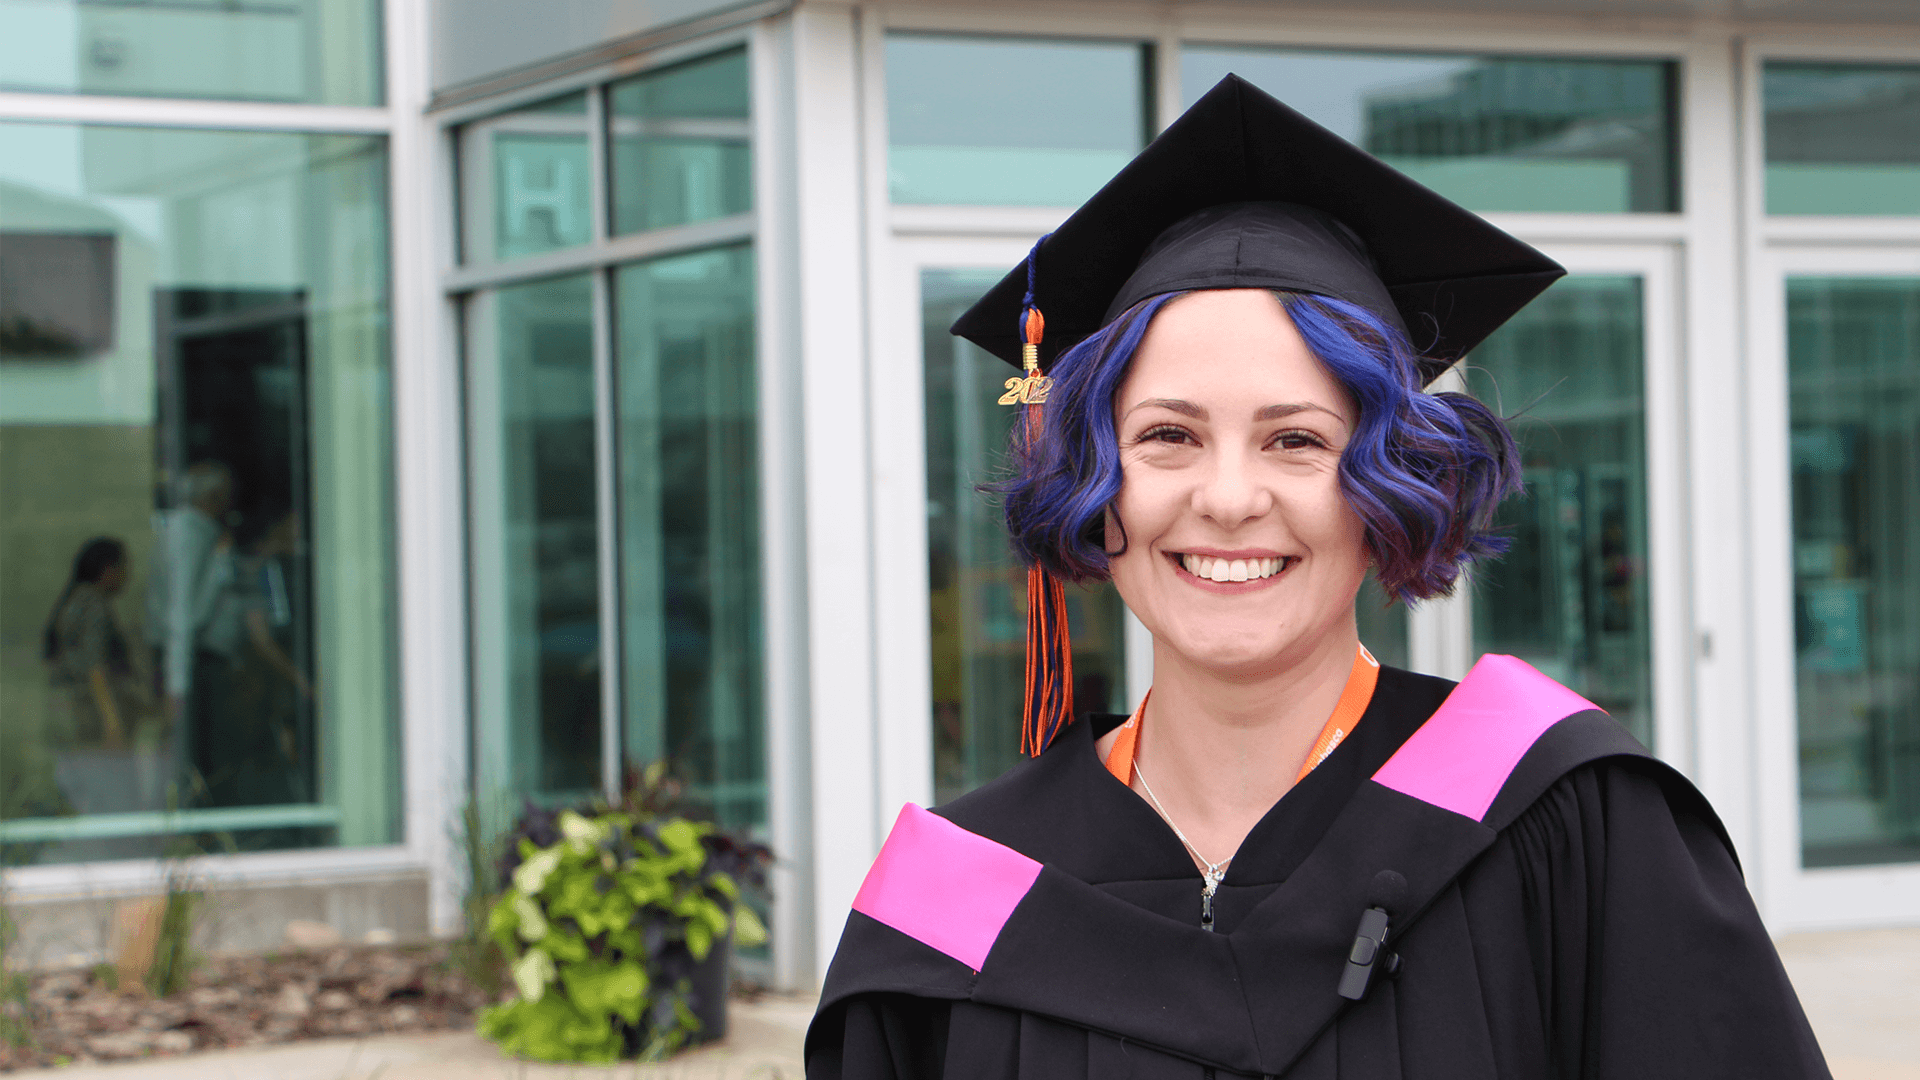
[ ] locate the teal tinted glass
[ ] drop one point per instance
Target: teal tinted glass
(318, 51)
(1570, 596)
(536, 160)
(1014, 122)
(534, 541)
(1853, 362)
(1842, 138)
(196, 589)
(680, 144)
(1490, 133)
(977, 590)
(1382, 625)
(688, 436)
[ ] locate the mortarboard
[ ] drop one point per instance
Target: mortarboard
(1241, 192)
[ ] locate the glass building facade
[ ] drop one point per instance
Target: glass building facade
(400, 410)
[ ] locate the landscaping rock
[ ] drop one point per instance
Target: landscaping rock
(247, 1000)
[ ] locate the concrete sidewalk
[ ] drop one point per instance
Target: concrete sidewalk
(1861, 990)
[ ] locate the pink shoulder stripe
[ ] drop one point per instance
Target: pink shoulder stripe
(1461, 757)
(944, 886)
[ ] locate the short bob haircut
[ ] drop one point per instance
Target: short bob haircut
(1423, 471)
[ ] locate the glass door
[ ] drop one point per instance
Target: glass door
(1588, 378)
(1843, 732)
(976, 589)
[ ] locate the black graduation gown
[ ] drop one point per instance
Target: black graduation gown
(1594, 924)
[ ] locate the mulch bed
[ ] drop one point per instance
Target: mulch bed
(248, 1001)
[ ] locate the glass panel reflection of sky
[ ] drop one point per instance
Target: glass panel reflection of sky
(985, 121)
(1842, 139)
(1491, 133)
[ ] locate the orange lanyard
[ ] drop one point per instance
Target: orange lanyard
(1353, 702)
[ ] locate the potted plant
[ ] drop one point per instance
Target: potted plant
(617, 924)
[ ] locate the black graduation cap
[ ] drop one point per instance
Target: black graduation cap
(1243, 192)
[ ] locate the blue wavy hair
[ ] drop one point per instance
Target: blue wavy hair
(1424, 472)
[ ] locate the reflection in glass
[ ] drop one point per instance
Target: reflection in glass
(1491, 133)
(1383, 625)
(977, 589)
(680, 144)
(318, 51)
(536, 163)
(1853, 361)
(1010, 122)
(690, 526)
(1570, 596)
(1842, 138)
(194, 503)
(536, 569)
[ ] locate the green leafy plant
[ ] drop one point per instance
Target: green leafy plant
(603, 920)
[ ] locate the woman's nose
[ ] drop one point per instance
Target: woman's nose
(1231, 492)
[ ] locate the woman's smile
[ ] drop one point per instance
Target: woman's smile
(1231, 571)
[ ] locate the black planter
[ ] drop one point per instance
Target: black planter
(710, 981)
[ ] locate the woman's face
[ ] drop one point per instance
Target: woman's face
(113, 577)
(1242, 554)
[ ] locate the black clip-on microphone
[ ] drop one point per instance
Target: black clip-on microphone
(1369, 953)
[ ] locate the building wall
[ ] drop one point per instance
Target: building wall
(872, 686)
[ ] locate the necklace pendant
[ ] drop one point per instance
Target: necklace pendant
(1211, 877)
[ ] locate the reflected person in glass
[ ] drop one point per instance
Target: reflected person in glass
(1290, 860)
(96, 694)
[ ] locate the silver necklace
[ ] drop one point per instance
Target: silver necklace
(1214, 870)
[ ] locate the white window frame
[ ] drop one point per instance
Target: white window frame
(466, 290)
(1774, 247)
(1654, 246)
(428, 534)
(1798, 897)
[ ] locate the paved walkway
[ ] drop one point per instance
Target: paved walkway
(1861, 989)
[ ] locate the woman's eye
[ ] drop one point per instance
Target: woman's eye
(1166, 433)
(1298, 440)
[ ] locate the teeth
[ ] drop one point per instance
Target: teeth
(1223, 570)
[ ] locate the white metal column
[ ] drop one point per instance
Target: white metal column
(830, 326)
(430, 522)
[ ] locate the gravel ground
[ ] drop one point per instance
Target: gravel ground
(248, 1001)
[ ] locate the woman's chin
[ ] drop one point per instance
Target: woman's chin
(1233, 656)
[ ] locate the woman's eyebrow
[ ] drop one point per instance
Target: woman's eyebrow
(1281, 412)
(1179, 405)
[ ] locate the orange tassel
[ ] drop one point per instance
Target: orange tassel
(1049, 684)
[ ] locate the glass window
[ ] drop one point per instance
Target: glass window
(680, 144)
(529, 185)
(1383, 625)
(1842, 139)
(977, 589)
(690, 525)
(1853, 361)
(195, 579)
(534, 540)
(320, 51)
(1011, 122)
(1491, 133)
(1570, 596)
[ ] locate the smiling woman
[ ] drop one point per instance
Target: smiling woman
(1338, 869)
